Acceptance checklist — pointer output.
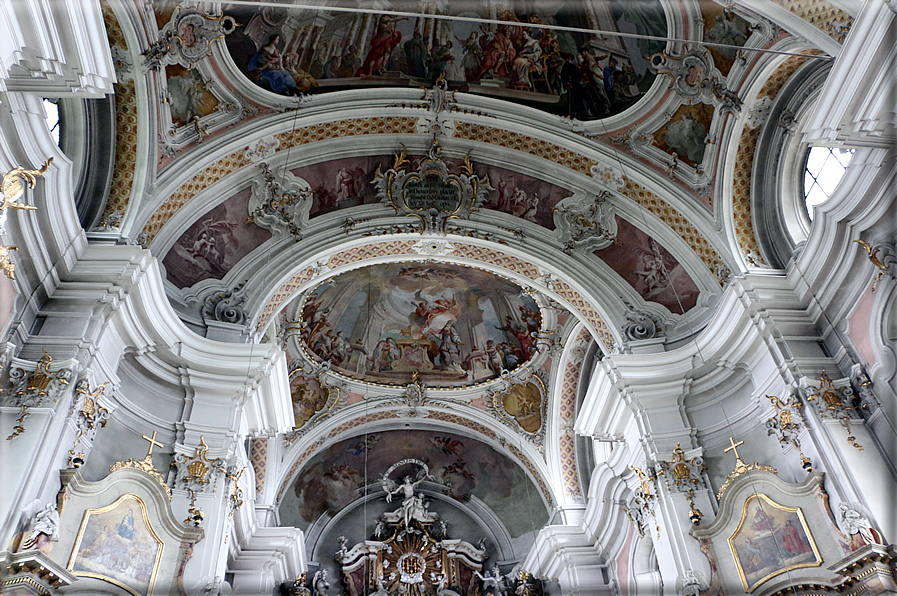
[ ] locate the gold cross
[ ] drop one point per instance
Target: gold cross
(153, 443)
(732, 448)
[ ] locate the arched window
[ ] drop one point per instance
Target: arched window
(824, 168)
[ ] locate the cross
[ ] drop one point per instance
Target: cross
(153, 443)
(732, 448)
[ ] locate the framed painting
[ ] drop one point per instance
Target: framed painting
(771, 539)
(117, 544)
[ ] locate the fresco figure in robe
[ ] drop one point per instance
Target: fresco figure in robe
(385, 39)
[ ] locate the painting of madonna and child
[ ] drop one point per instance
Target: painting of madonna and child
(577, 74)
(771, 539)
(450, 324)
(116, 544)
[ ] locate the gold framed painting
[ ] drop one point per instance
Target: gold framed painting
(771, 539)
(117, 544)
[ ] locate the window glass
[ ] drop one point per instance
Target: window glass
(52, 112)
(825, 167)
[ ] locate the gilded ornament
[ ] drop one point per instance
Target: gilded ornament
(6, 263)
(881, 265)
(835, 404)
(13, 188)
(145, 464)
(740, 467)
(686, 473)
(88, 417)
(431, 193)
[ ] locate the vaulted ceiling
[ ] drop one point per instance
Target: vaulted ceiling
(612, 145)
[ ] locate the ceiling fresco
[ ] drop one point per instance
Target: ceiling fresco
(448, 324)
(650, 268)
(723, 26)
(686, 133)
(343, 183)
(295, 51)
(331, 480)
(214, 243)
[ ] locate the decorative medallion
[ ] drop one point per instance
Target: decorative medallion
(431, 193)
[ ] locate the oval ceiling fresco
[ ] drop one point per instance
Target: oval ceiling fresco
(452, 325)
(291, 51)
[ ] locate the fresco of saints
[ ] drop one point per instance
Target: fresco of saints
(387, 353)
(450, 348)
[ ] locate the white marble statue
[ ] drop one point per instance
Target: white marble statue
(498, 583)
(853, 521)
(44, 529)
(414, 506)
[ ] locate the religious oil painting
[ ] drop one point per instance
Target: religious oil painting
(771, 539)
(500, 50)
(117, 544)
(210, 247)
(449, 324)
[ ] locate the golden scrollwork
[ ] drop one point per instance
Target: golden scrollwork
(882, 264)
(145, 464)
(835, 405)
(13, 188)
(684, 471)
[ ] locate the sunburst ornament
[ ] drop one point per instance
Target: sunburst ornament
(414, 562)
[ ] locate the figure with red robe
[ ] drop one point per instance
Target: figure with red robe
(498, 52)
(762, 521)
(385, 40)
(793, 542)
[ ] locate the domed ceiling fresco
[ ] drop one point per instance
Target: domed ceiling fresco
(468, 468)
(567, 72)
(445, 323)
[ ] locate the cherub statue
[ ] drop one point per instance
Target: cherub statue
(343, 550)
